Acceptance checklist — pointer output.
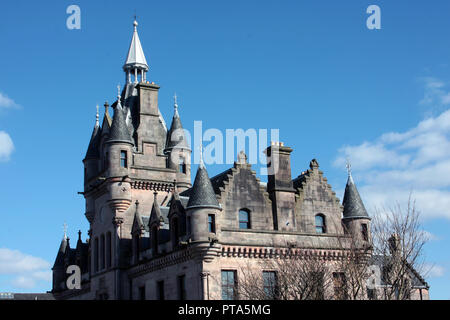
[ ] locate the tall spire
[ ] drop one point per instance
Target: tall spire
(353, 205)
(135, 64)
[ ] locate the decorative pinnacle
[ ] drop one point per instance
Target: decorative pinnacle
(96, 118)
(106, 105)
(201, 164)
(65, 230)
(135, 24)
(118, 91)
(79, 235)
(348, 165)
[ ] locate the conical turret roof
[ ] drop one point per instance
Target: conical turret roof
(59, 261)
(176, 137)
(353, 205)
(202, 194)
(119, 131)
(93, 148)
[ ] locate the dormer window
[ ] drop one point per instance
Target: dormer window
(320, 223)
(123, 159)
(175, 232)
(154, 235)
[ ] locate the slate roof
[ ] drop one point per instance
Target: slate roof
(202, 193)
(26, 296)
(119, 131)
(353, 205)
(175, 136)
(93, 148)
(59, 261)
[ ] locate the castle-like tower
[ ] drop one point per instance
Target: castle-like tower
(153, 235)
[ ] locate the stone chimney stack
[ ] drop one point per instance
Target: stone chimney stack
(280, 186)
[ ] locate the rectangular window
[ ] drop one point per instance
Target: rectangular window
(270, 285)
(182, 287)
(142, 293)
(188, 225)
(108, 250)
(212, 223)
(317, 285)
(229, 286)
(96, 254)
(160, 290)
(340, 286)
(244, 219)
(364, 232)
(371, 294)
(123, 159)
(102, 252)
(182, 167)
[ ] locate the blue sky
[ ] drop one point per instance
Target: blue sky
(311, 69)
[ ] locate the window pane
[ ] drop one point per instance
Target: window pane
(228, 285)
(270, 284)
(243, 215)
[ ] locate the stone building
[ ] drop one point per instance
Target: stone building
(154, 235)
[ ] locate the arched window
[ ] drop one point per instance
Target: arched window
(244, 219)
(175, 232)
(320, 223)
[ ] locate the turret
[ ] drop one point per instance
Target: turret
(58, 269)
(202, 207)
(280, 186)
(119, 150)
(355, 218)
(178, 151)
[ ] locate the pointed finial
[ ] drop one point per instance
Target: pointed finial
(118, 91)
(201, 164)
(135, 24)
(106, 105)
(175, 103)
(65, 230)
(79, 235)
(348, 165)
(96, 118)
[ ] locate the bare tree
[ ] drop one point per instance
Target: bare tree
(293, 275)
(354, 267)
(398, 246)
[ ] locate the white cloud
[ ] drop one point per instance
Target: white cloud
(25, 270)
(6, 146)
(397, 163)
(435, 93)
(434, 271)
(6, 102)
